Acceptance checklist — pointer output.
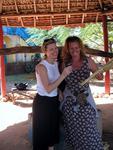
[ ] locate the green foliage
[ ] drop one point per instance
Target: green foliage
(60, 33)
(37, 35)
(91, 34)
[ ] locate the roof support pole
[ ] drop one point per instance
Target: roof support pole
(2, 65)
(105, 34)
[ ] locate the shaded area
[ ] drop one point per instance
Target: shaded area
(15, 137)
(23, 104)
(108, 137)
(107, 121)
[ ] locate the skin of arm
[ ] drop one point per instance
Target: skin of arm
(42, 71)
(94, 68)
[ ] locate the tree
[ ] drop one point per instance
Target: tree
(37, 36)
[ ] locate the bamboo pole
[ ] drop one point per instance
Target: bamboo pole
(104, 68)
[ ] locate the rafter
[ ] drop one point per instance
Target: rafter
(111, 16)
(83, 18)
(78, 16)
(20, 18)
(7, 22)
(34, 3)
(111, 1)
(55, 14)
(34, 21)
(86, 4)
(97, 18)
(51, 22)
(16, 7)
(68, 5)
(106, 12)
(1, 1)
(67, 19)
(52, 9)
(100, 2)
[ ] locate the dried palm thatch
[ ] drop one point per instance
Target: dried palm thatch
(48, 13)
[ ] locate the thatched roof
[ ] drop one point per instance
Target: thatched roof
(48, 13)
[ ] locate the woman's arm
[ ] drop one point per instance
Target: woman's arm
(93, 67)
(42, 71)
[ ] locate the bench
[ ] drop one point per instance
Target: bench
(29, 93)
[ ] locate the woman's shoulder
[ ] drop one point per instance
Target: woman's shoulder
(41, 65)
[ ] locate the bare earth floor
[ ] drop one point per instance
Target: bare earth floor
(14, 124)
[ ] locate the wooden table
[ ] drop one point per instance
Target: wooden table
(29, 93)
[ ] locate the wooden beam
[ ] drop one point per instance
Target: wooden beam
(111, 1)
(100, 3)
(111, 16)
(86, 4)
(83, 18)
(51, 22)
(34, 3)
(1, 1)
(66, 19)
(6, 21)
(52, 9)
(54, 14)
(97, 52)
(2, 65)
(73, 25)
(68, 5)
(106, 49)
(22, 24)
(34, 21)
(105, 12)
(16, 7)
(22, 49)
(37, 49)
(97, 18)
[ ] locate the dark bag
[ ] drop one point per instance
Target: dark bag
(21, 86)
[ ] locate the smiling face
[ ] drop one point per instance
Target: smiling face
(51, 51)
(74, 50)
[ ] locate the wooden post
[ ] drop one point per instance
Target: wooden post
(105, 34)
(2, 65)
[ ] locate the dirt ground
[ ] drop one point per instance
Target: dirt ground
(14, 124)
(14, 127)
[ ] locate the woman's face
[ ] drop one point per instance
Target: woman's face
(52, 51)
(74, 49)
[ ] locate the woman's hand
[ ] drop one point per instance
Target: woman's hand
(67, 71)
(93, 67)
(61, 96)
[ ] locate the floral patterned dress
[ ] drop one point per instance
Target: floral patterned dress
(80, 125)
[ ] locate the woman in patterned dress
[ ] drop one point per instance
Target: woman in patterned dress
(78, 108)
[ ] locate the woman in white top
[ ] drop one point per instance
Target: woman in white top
(46, 104)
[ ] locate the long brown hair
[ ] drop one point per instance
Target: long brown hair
(65, 51)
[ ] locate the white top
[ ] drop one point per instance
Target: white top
(53, 74)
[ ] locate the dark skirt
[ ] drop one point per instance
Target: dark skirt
(45, 121)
